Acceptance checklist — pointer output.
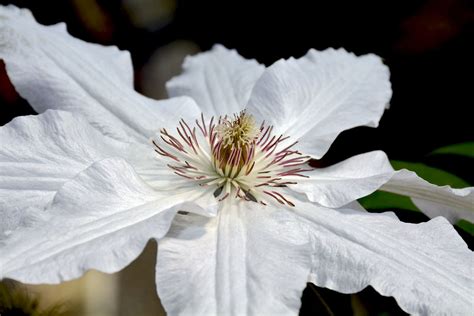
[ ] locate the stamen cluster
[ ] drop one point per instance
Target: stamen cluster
(235, 156)
(237, 133)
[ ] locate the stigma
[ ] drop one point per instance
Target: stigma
(236, 157)
(240, 132)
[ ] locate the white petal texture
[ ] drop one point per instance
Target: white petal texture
(316, 97)
(433, 200)
(53, 70)
(361, 175)
(346, 181)
(427, 267)
(249, 260)
(37, 155)
(220, 80)
(101, 220)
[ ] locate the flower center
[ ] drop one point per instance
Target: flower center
(234, 156)
(236, 141)
(239, 133)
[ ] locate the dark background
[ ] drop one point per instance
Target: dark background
(426, 44)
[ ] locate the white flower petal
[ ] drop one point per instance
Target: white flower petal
(361, 175)
(433, 200)
(37, 155)
(219, 80)
(346, 181)
(316, 97)
(249, 260)
(427, 267)
(54, 70)
(100, 220)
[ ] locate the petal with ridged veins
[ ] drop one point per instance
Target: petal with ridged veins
(53, 70)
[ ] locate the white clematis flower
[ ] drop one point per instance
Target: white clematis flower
(87, 183)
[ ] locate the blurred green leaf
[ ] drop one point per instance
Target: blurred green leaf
(466, 226)
(385, 200)
(463, 149)
(430, 174)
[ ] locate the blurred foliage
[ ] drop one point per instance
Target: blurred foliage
(463, 149)
(15, 300)
(150, 14)
(385, 200)
(466, 226)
